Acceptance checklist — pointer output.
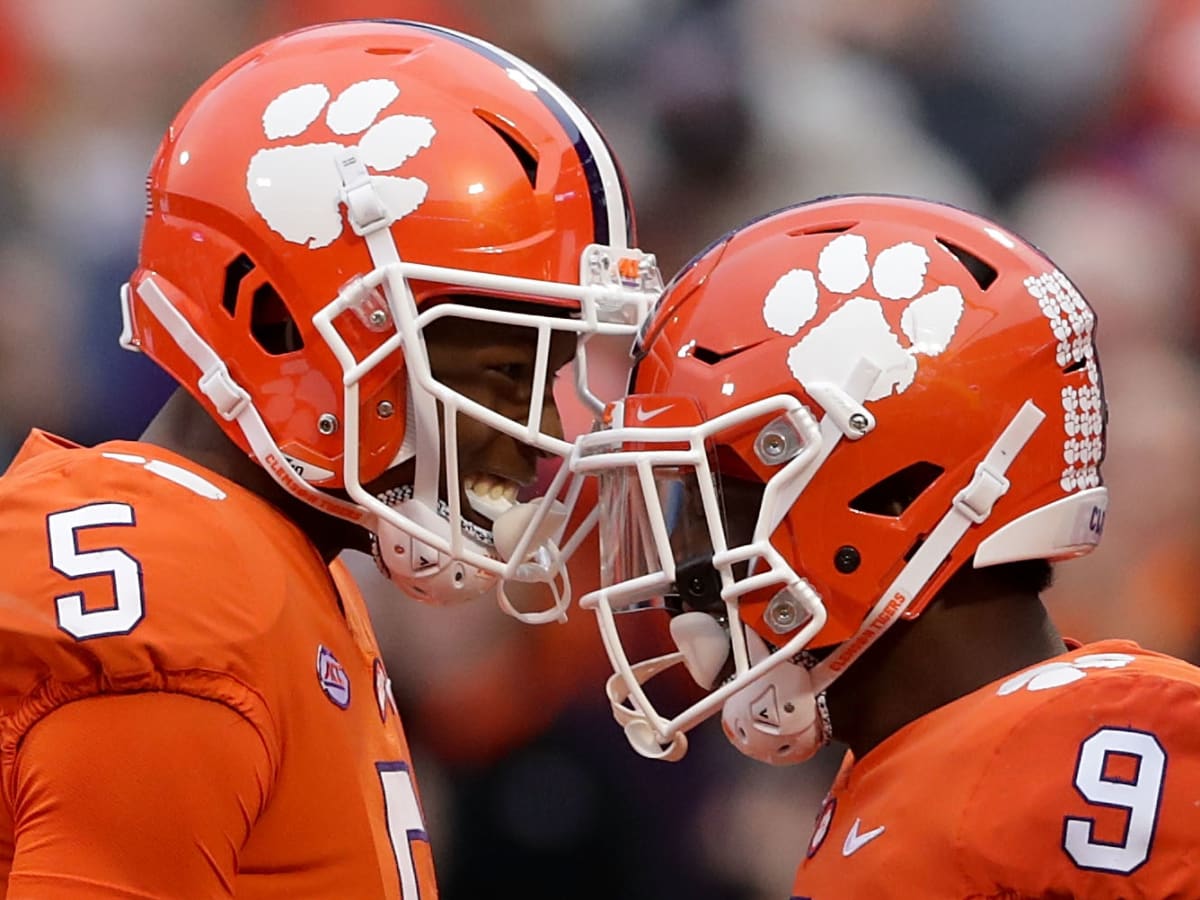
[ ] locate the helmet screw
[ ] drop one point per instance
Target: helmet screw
(377, 318)
(778, 442)
(859, 422)
(782, 613)
(327, 423)
(773, 444)
(847, 559)
(384, 409)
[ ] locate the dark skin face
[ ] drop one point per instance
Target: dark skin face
(494, 365)
(490, 363)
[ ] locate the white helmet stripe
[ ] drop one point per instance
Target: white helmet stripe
(610, 205)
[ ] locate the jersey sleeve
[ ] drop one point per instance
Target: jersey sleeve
(118, 580)
(1094, 792)
(135, 796)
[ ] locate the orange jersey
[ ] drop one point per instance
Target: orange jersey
(175, 656)
(1079, 777)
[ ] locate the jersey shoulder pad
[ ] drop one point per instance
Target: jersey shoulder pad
(132, 569)
(1089, 788)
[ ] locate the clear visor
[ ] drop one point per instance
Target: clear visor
(690, 544)
(662, 531)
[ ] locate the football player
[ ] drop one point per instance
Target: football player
(368, 249)
(859, 432)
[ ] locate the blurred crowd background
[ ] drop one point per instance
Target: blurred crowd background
(1076, 123)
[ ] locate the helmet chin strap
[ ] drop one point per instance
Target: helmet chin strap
(779, 718)
(971, 506)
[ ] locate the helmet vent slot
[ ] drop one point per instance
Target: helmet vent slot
(235, 273)
(983, 273)
(712, 357)
(820, 229)
(272, 325)
(892, 496)
(524, 153)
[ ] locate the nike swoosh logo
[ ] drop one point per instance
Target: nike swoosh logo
(855, 841)
(645, 415)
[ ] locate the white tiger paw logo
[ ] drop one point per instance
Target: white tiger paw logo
(1056, 674)
(859, 327)
(296, 187)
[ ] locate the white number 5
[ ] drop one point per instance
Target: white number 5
(404, 823)
(126, 573)
(1140, 796)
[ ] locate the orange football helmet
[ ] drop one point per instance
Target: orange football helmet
(318, 203)
(834, 408)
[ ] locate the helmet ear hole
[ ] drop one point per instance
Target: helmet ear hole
(271, 323)
(894, 494)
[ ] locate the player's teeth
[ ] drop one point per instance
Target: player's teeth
(489, 495)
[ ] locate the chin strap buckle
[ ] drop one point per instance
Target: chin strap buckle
(365, 209)
(229, 397)
(976, 500)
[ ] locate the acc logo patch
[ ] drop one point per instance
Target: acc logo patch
(332, 675)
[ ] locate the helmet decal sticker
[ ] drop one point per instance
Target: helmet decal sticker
(790, 304)
(1083, 449)
(842, 265)
(859, 327)
(295, 187)
(294, 110)
(899, 271)
(1071, 319)
(1073, 322)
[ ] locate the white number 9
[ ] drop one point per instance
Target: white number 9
(1140, 797)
